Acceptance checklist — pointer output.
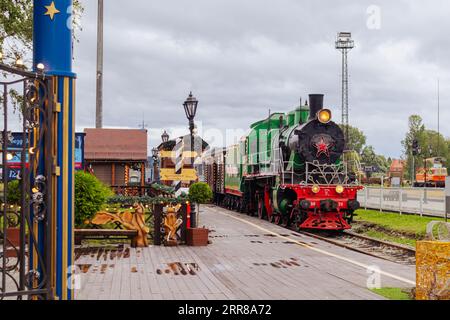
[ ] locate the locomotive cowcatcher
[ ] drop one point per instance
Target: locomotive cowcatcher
(290, 169)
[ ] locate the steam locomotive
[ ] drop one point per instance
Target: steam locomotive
(290, 169)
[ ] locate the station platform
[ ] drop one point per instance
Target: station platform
(247, 259)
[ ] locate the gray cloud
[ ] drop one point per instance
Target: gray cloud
(241, 58)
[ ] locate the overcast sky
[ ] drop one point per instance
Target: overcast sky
(243, 57)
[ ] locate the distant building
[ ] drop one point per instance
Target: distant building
(396, 171)
(397, 168)
(117, 157)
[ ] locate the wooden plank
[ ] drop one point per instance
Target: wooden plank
(116, 279)
(150, 272)
(125, 288)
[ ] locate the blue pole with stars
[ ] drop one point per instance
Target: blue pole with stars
(52, 47)
(53, 36)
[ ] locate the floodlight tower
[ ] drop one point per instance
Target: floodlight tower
(344, 43)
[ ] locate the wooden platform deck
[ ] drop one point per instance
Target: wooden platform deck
(248, 259)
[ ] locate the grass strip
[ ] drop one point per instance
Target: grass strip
(410, 224)
(393, 293)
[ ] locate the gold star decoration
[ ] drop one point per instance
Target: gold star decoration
(51, 10)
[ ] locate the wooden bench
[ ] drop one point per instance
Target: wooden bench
(94, 234)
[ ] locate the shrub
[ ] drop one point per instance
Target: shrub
(90, 195)
(127, 201)
(14, 192)
(200, 192)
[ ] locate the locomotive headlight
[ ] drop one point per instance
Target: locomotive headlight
(324, 116)
(315, 189)
(339, 189)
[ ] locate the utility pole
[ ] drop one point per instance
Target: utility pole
(99, 99)
(438, 119)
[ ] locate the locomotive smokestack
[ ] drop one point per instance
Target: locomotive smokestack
(315, 105)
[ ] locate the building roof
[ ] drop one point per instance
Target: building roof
(115, 144)
(397, 165)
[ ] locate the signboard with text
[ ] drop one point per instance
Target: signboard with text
(168, 174)
(15, 151)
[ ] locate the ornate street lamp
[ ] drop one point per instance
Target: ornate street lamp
(155, 162)
(190, 108)
(165, 136)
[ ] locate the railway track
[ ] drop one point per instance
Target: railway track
(369, 246)
(377, 248)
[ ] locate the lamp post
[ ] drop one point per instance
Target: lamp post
(190, 108)
(155, 162)
(165, 136)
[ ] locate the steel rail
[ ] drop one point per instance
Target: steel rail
(356, 249)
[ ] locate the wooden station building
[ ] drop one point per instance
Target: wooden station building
(117, 157)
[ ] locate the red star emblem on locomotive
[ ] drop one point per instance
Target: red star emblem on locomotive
(322, 148)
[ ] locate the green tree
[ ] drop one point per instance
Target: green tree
(200, 193)
(383, 163)
(368, 156)
(434, 145)
(90, 195)
(431, 144)
(356, 139)
(416, 130)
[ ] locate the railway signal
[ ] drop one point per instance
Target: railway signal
(415, 147)
(415, 151)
